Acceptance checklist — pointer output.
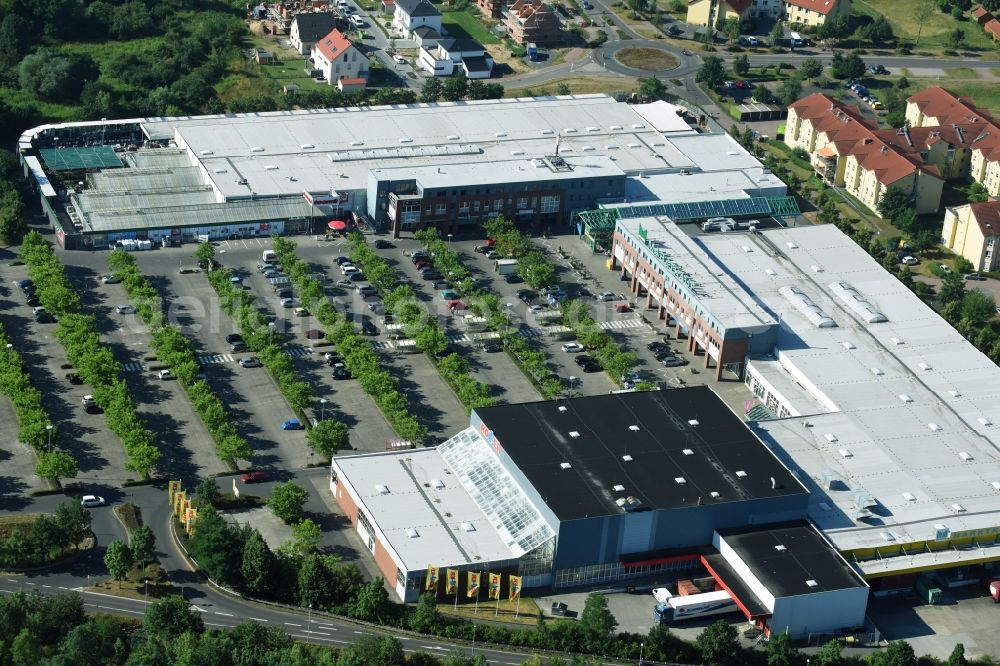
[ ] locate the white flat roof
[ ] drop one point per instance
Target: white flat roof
(512, 171)
(913, 403)
(701, 186)
(421, 494)
(719, 294)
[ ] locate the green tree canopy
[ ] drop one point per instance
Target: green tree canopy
(287, 501)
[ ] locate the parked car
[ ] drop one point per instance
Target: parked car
(622, 307)
(572, 347)
(448, 295)
(90, 405)
(482, 249)
(975, 276)
(526, 295)
(513, 278)
(944, 268)
(24, 285)
(33, 301)
(357, 277)
(292, 424)
(382, 244)
(877, 69)
(301, 312)
(111, 279)
(289, 302)
(165, 374)
(124, 309)
(538, 308)
(314, 334)
(341, 372)
(236, 342)
(672, 362)
(431, 276)
(332, 358)
(492, 347)
(73, 378)
(656, 346)
(587, 363)
(910, 261)
(369, 328)
(606, 296)
(660, 355)
(398, 59)
(250, 362)
(340, 261)
(88, 501)
(254, 476)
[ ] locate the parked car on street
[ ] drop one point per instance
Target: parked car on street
(111, 279)
(292, 424)
(250, 362)
(88, 501)
(572, 347)
(124, 309)
(254, 476)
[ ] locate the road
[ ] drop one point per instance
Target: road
(219, 610)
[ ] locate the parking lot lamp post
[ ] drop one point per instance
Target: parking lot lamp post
(449, 240)
(572, 383)
(270, 332)
(48, 429)
(145, 584)
(310, 617)
(322, 408)
(640, 653)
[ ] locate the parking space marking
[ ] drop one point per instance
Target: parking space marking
(623, 323)
(297, 352)
(458, 337)
(531, 332)
(134, 366)
(379, 345)
(206, 359)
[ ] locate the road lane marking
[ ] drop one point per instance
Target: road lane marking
(257, 619)
(290, 624)
(321, 633)
(198, 608)
(48, 586)
(221, 613)
(319, 638)
(216, 624)
(11, 580)
(119, 610)
(63, 587)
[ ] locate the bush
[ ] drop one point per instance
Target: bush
(45, 538)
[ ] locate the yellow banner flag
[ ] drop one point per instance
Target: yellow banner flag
(432, 577)
(451, 581)
(179, 502)
(172, 488)
(515, 587)
(495, 585)
(473, 587)
(192, 516)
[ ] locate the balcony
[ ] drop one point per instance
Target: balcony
(824, 162)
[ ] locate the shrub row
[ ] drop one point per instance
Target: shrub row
(422, 326)
(45, 538)
(33, 421)
(174, 349)
(94, 362)
(357, 352)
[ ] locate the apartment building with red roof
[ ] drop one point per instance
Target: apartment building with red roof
(979, 148)
(973, 231)
(802, 12)
(339, 59)
(713, 12)
(812, 12)
(849, 152)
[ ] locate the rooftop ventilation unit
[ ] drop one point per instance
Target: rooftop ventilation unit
(934, 427)
(593, 129)
(852, 298)
(923, 366)
(615, 127)
(638, 126)
(405, 139)
(220, 171)
(627, 458)
(680, 480)
(848, 345)
(877, 372)
(824, 506)
(357, 142)
(955, 394)
(687, 452)
(791, 245)
(574, 434)
(965, 455)
(548, 131)
(905, 398)
(957, 508)
(845, 453)
(812, 583)
(382, 490)
(256, 149)
(741, 474)
(517, 152)
(412, 533)
(562, 408)
(780, 548)
(270, 167)
(996, 485)
(564, 465)
(500, 135)
(611, 146)
(468, 527)
(816, 268)
(206, 152)
(770, 272)
(984, 421)
(829, 479)
(805, 305)
(634, 428)
(306, 146)
(570, 130)
(437, 483)
(453, 137)
(896, 341)
(715, 495)
(619, 488)
(887, 536)
(693, 423)
(830, 437)
(587, 149)
(941, 532)
(909, 497)
(635, 145)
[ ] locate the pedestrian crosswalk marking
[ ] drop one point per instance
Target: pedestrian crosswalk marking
(622, 323)
(206, 359)
(297, 352)
(133, 366)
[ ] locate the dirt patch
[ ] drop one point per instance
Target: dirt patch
(646, 59)
(501, 56)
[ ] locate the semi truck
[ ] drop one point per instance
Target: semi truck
(675, 608)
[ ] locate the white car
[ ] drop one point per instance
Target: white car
(88, 501)
(398, 59)
(572, 347)
(125, 309)
(357, 21)
(347, 269)
(165, 374)
(250, 362)
(606, 296)
(910, 261)
(111, 279)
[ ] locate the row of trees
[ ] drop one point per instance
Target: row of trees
(175, 350)
(44, 539)
(420, 324)
(13, 223)
(35, 428)
(121, 557)
(356, 351)
(617, 363)
(94, 362)
(458, 87)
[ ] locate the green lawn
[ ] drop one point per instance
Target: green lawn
(900, 14)
(291, 71)
(463, 24)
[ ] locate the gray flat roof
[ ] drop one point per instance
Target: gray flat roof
(910, 408)
(511, 171)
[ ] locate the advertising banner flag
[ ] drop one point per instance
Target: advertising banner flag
(432, 577)
(451, 581)
(495, 586)
(172, 488)
(515, 587)
(473, 588)
(179, 502)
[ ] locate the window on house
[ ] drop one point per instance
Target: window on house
(522, 203)
(441, 209)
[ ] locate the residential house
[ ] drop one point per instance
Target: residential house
(388, 6)
(447, 55)
(944, 111)
(992, 27)
(989, 22)
(973, 231)
(411, 14)
(338, 59)
(426, 37)
(982, 15)
(847, 151)
(309, 27)
(263, 57)
(533, 22)
(711, 13)
(814, 12)
(493, 9)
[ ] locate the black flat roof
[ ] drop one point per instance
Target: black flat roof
(785, 556)
(681, 433)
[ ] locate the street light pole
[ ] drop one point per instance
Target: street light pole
(640, 653)
(146, 586)
(322, 408)
(449, 240)
(310, 617)
(48, 429)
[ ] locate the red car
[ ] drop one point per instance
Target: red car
(314, 334)
(456, 305)
(622, 307)
(420, 264)
(254, 476)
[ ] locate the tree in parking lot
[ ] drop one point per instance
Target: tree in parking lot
(287, 501)
(205, 252)
(431, 339)
(328, 437)
(306, 537)
(55, 466)
(118, 559)
(536, 270)
(142, 543)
